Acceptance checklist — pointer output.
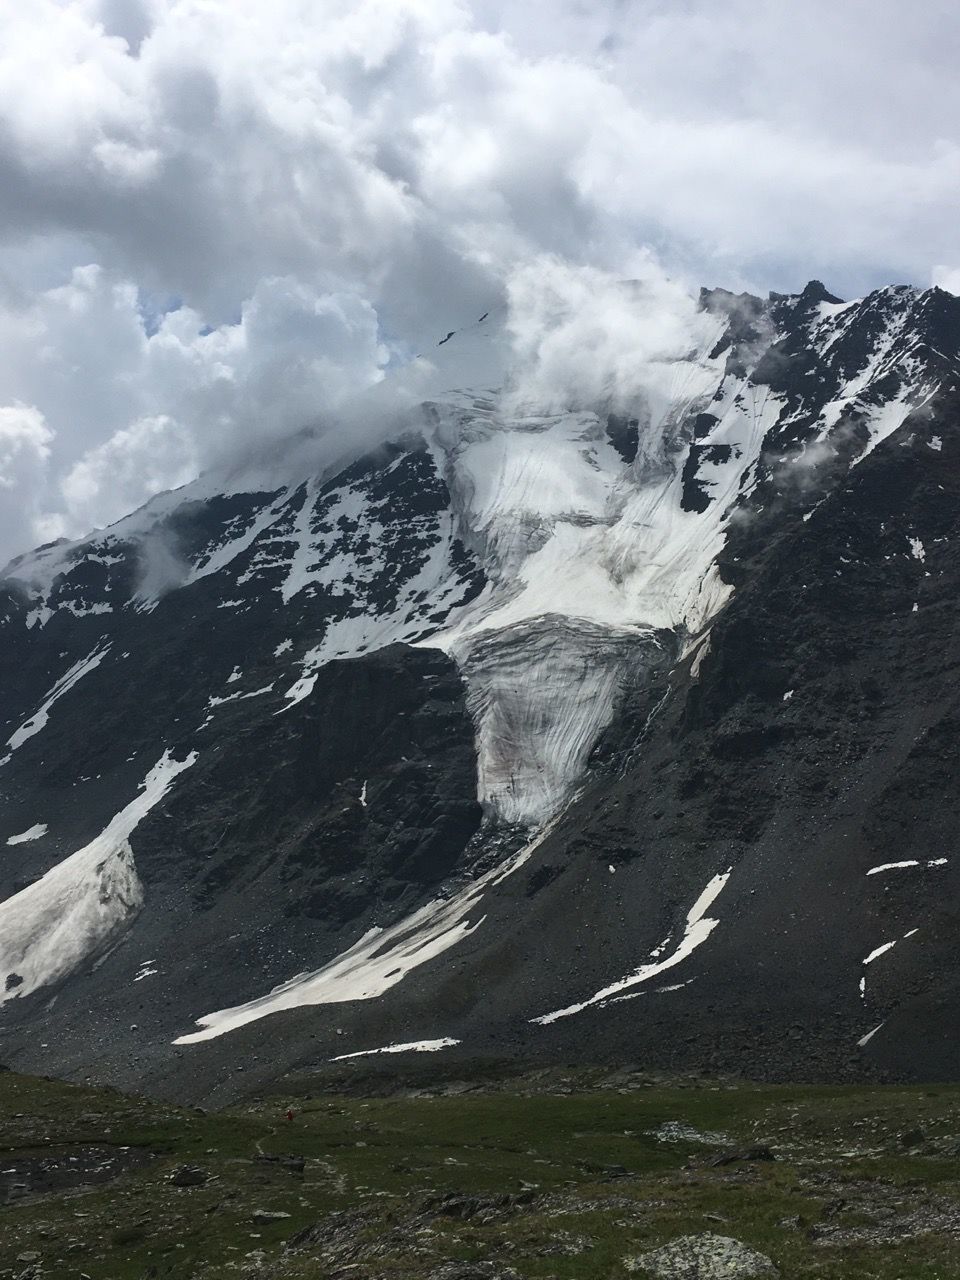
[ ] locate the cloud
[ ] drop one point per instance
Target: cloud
(25, 441)
(946, 278)
(285, 202)
(149, 456)
(583, 337)
(172, 401)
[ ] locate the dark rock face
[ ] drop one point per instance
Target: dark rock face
(696, 496)
(754, 871)
(303, 829)
(624, 435)
(365, 790)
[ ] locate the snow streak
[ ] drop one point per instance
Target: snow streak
(698, 928)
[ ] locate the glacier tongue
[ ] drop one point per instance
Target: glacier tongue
(540, 692)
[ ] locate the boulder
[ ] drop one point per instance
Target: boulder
(703, 1257)
(189, 1175)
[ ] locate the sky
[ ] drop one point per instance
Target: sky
(222, 220)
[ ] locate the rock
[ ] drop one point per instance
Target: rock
(338, 1235)
(703, 1257)
(473, 1271)
(28, 1257)
(262, 1217)
(678, 1131)
(188, 1175)
(606, 1172)
(453, 1204)
(912, 1138)
(831, 1208)
(747, 1153)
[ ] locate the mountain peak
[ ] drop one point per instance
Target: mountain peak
(815, 291)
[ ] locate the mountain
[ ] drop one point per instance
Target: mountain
(580, 735)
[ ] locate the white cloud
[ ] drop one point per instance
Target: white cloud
(584, 337)
(115, 477)
(170, 402)
(947, 278)
(25, 441)
(321, 185)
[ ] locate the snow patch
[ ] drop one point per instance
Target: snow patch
(52, 926)
(902, 866)
(702, 648)
(879, 951)
(876, 953)
(214, 701)
(884, 420)
(233, 546)
(32, 833)
(698, 928)
(414, 1046)
(865, 1040)
(378, 960)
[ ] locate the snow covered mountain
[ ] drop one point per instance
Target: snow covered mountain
(581, 733)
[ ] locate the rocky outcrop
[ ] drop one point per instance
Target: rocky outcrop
(704, 1257)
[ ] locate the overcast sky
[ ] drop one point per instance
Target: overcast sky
(220, 218)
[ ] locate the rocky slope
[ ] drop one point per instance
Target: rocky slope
(586, 734)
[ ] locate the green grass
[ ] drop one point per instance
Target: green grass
(844, 1198)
